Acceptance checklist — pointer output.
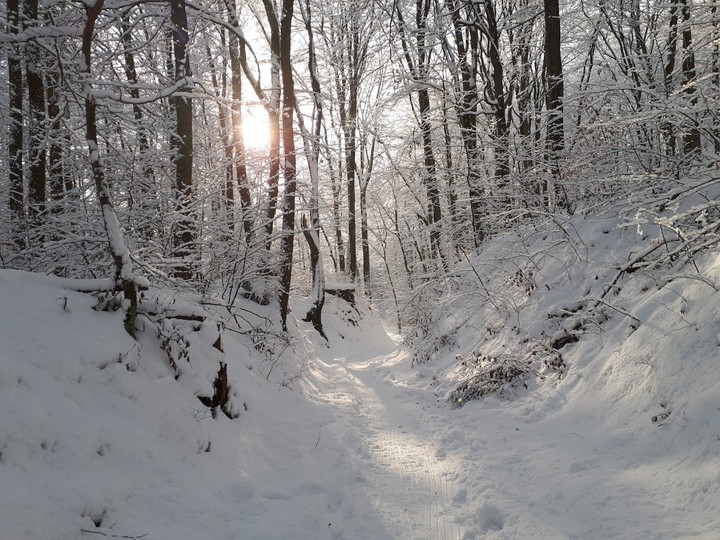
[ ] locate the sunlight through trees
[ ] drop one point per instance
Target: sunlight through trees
(394, 137)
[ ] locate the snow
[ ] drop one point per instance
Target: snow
(351, 438)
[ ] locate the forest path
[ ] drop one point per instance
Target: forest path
(406, 479)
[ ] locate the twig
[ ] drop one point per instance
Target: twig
(477, 275)
(689, 276)
(619, 310)
(114, 535)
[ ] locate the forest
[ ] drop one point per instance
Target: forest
(265, 149)
(359, 270)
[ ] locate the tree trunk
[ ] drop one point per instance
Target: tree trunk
(350, 169)
(15, 139)
(182, 145)
(288, 216)
(366, 168)
(120, 254)
(145, 182)
(58, 140)
(236, 49)
(271, 102)
(419, 70)
(312, 151)
(524, 101)
(499, 106)
(715, 69)
(667, 128)
(467, 46)
(554, 94)
(452, 198)
(274, 117)
(346, 64)
(434, 212)
(226, 136)
(691, 138)
(37, 127)
(335, 188)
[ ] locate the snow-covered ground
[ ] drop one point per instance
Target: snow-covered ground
(354, 439)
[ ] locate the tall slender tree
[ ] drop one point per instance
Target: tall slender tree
(37, 128)
(289, 161)
(182, 143)
(691, 138)
(417, 54)
(236, 51)
(15, 139)
(555, 89)
(465, 58)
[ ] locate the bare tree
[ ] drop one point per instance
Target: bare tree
(691, 138)
(311, 143)
(182, 143)
(555, 89)
(346, 42)
(466, 26)
(15, 140)
(37, 128)
(417, 54)
(236, 51)
(289, 161)
(118, 249)
(498, 104)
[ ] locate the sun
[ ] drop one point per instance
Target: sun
(256, 130)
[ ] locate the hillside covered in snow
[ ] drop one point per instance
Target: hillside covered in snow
(566, 385)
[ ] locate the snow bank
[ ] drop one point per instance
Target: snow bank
(101, 436)
(626, 442)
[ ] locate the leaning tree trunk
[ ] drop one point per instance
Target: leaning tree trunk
(118, 249)
(311, 143)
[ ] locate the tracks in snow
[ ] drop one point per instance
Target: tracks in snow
(407, 480)
(410, 488)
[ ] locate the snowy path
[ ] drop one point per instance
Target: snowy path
(533, 468)
(406, 479)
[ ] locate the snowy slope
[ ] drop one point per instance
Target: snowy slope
(99, 439)
(355, 438)
(627, 443)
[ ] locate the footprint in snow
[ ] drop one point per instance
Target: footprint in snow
(489, 517)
